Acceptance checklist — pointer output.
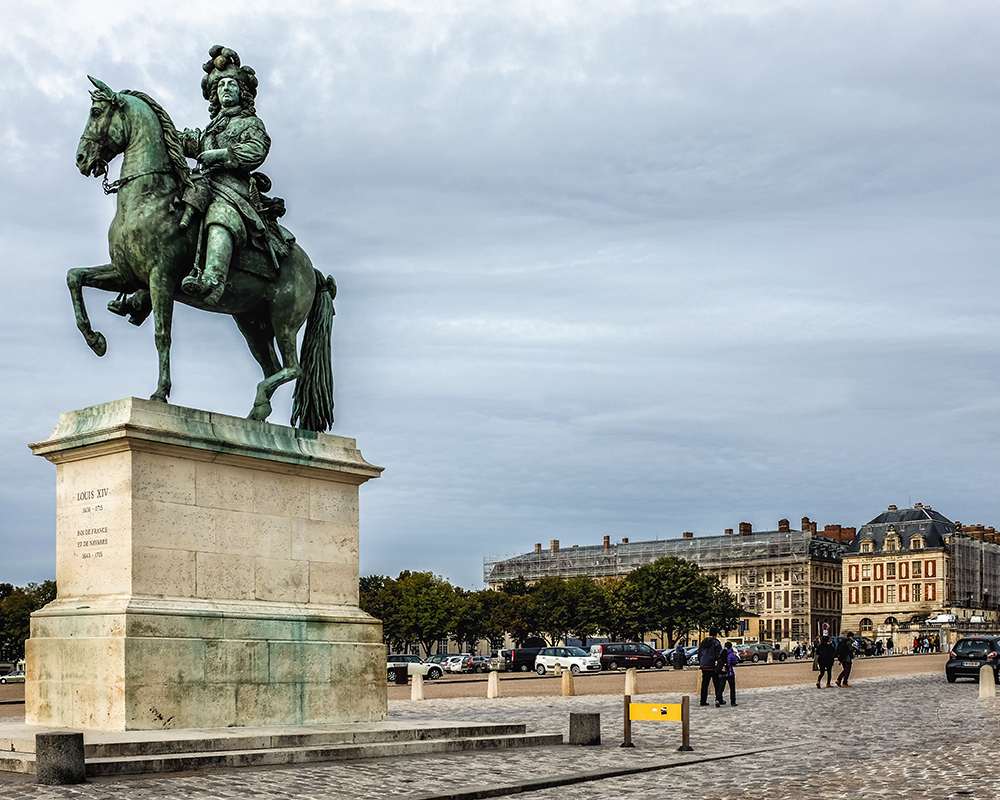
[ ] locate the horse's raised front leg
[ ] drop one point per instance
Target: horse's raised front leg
(104, 277)
(161, 294)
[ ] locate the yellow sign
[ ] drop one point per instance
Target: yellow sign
(652, 712)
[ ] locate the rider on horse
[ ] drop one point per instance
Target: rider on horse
(225, 190)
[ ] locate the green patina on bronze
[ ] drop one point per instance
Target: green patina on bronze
(207, 237)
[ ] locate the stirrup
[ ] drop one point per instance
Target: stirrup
(215, 295)
(193, 285)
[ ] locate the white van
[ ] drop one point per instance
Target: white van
(940, 618)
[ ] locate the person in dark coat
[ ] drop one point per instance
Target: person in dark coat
(708, 654)
(826, 654)
(845, 654)
(678, 657)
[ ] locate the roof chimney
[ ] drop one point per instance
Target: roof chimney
(729, 531)
(607, 542)
(538, 547)
(554, 546)
(745, 529)
(624, 540)
(918, 505)
(687, 535)
(783, 526)
(893, 508)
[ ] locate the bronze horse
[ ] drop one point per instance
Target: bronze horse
(150, 254)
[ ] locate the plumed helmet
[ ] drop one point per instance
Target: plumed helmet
(225, 63)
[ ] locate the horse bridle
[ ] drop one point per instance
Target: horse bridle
(114, 186)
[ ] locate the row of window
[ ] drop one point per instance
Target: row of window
(891, 570)
(891, 544)
(905, 592)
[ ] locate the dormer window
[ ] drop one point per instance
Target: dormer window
(917, 543)
(891, 544)
(867, 546)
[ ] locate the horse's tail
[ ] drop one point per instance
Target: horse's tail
(312, 401)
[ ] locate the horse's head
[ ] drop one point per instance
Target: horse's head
(106, 132)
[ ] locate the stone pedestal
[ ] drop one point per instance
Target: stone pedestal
(207, 572)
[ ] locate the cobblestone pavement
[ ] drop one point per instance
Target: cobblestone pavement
(912, 735)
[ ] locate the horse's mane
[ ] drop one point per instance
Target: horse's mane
(170, 138)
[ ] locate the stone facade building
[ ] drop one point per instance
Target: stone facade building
(910, 564)
(789, 581)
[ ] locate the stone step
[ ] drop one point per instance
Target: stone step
(206, 752)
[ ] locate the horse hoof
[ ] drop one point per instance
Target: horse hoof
(158, 398)
(260, 413)
(98, 344)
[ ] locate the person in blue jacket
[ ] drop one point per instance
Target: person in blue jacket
(727, 675)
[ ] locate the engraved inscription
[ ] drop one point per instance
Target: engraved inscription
(92, 494)
(88, 538)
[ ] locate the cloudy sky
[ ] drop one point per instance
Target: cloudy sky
(604, 268)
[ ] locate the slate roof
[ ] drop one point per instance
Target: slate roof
(905, 522)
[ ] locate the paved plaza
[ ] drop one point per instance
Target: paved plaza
(902, 735)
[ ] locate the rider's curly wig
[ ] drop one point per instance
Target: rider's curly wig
(225, 63)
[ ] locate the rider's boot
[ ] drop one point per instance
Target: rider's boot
(218, 254)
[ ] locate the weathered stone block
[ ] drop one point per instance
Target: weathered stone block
(208, 576)
(59, 758)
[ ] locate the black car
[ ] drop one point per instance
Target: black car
(615, 655)
(969, 655)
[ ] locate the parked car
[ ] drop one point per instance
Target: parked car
(615, 655)
(575, 659)
(521, 659)
(459, 663)
(480, 664)
(941, 619)
(17, 676)
(760, 652)
(969, 655)
(414, 666)
(691, 655)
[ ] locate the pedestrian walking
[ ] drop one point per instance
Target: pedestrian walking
(826, 654)
(727, 674)
(708, 654)
(888, 645)
(845, 654)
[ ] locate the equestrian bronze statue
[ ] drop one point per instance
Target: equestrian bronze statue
(207, 237)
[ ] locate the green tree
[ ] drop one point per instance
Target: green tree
(551, 599)
(470, 620)
(427, 608)
(622, 617)
(496, 616)
(674, 597)
(16, 607)
(588, 607)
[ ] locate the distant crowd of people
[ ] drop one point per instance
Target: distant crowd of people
(717, 662)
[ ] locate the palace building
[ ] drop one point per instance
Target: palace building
(911, 564)
(789, 581)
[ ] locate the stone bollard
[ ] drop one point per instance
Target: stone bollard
(417, 689)
(567, 683)
(493, 685)
(585, 729)
(631, 682)
(987, 686)
(59, 758)
(557, 669)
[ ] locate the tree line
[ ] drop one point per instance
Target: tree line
(16, 605)
(670, 598)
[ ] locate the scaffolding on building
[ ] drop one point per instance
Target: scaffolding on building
(975, 572)
(750, 554)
